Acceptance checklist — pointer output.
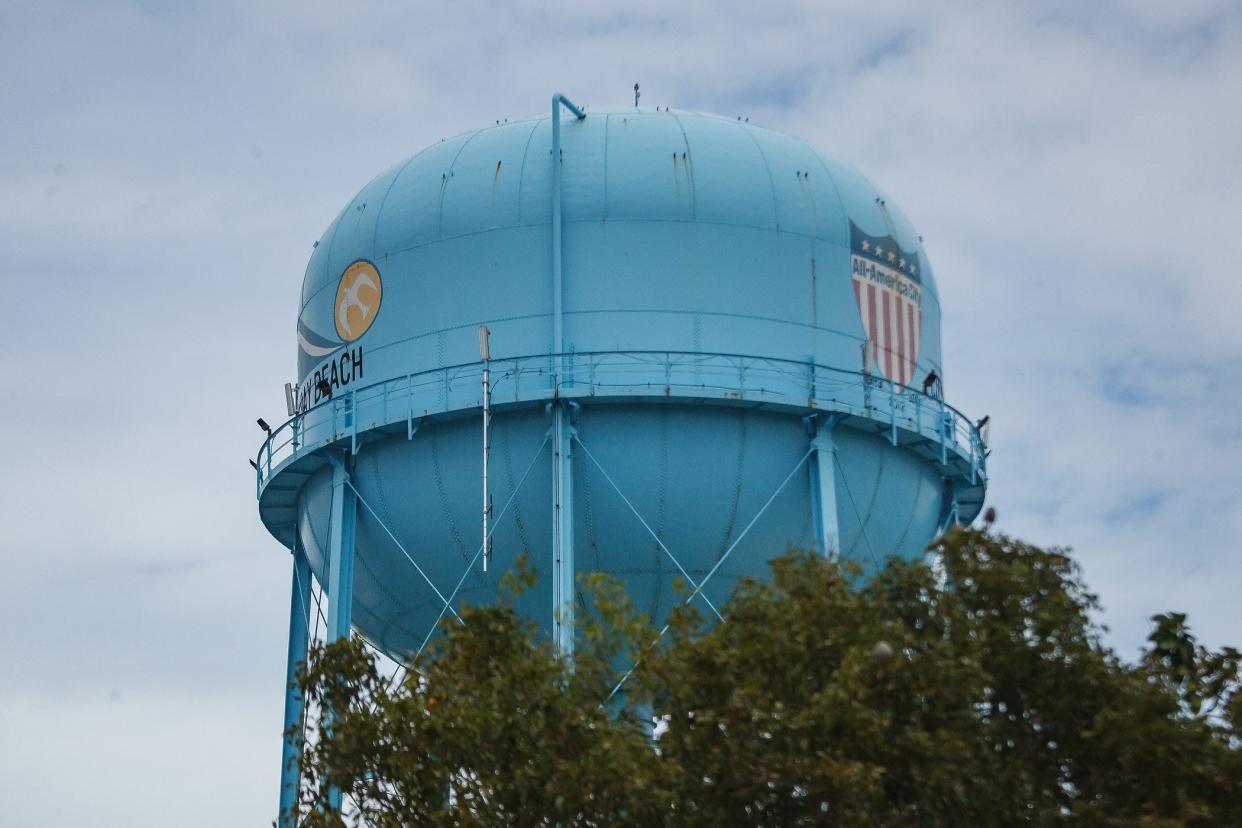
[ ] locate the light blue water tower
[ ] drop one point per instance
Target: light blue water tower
(708, 343)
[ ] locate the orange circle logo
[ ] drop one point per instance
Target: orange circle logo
(357, 300)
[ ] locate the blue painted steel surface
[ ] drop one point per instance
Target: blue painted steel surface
(342, 528)
(823, 485)
(706, 305)
(299, 636)
(563, 567)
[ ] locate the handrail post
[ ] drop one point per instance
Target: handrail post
(892, 415)
(974, 457)
(353, 422)
(944, 450)
(409, 411)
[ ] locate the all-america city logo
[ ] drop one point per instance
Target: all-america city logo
(889, 293)
(327, 363)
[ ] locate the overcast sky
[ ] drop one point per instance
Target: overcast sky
(1074, 168)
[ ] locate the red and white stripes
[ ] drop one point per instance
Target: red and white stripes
(892, 323)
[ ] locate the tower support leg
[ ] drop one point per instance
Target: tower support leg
(950, 510)
(824, 486)
(562, 529)
(299, 634)
(344, 522)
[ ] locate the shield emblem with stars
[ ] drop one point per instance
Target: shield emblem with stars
(890, 303)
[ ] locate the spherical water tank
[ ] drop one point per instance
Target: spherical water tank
(736, 344)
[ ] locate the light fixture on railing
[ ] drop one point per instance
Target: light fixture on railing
(254, 465)
(263, 425)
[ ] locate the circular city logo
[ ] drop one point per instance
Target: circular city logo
(357, 300)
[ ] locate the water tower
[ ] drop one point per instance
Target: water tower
(708, 343)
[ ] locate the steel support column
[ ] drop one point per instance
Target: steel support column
(950, 509)
(562, 529)
(344, 521)
(299, 634)
(562, 429)
(824, 485)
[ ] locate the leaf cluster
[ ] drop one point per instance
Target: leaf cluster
(972, 688)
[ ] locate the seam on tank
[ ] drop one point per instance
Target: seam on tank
(731, 522)
(662, 511)
(928, 293)
(694, 196)
(875, 492)
(911, 512)
(628, 219)
(845, 228)
(379, 214)
(588, 515)
(607, 128)
(447, 176)
(397, 622)
(361, 560)
(385, 515)
(517, 508)
(522, 172)
(440, 490)
(468, 325)
(488, 128)
(776, 213)
(327, 256)
(434, 601)
(327, 558)
(361, 212)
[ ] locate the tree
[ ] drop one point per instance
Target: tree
(973, 689)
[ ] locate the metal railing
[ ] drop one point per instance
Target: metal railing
(902, 410)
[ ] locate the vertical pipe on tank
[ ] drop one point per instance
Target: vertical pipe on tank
(562, 459)
(824, 485)
(562, 530)
(344, 518)
(299, 633)
(558, 296)
(485, 354)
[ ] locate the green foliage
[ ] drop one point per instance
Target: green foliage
(973, 690)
